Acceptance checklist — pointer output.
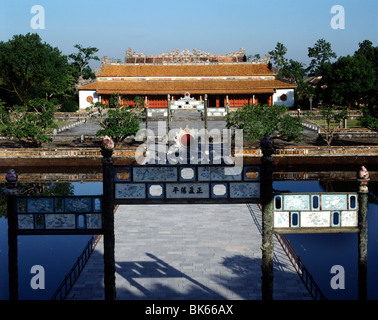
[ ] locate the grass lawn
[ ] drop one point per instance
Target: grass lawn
(60, 123)
(351, 124)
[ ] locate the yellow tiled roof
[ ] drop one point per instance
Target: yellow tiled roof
(180, 87)
(244, 69)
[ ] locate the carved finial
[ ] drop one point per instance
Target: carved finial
(363, 179)
(107, 147)
(12, 180)
(267, 147)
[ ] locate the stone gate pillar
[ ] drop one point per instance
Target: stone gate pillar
(363, 193)
(266, 196)
(108, 222)
(11, 191)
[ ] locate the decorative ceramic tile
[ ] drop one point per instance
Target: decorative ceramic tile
(150, 174)
(94, 221)
(296, 202)
(78, 204)
(349, 218)
(245, 190)
(251, 173)
(97, 205)
(315, 219)
(60, 221)
(334, 202)
(40, 205)
(353, 201)
(155, 190)
(122, 174)
(130, 191)
(219, 190)
(218, 174)
(25, 221)
(187, 174)
(281, 219)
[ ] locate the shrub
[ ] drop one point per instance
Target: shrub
(30, 127)
(369, 119)
(257, 120)
(54, 101)
(332, 117)
(69, 106)
(120, 123)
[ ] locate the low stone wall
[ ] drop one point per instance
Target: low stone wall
(96, 176)
(129, 153)
(71, 116)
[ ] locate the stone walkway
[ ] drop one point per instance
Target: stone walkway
(188, 252)
(180, 120)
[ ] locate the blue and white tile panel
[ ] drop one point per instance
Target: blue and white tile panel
(186, 182)
(59, 213)
(314, 210)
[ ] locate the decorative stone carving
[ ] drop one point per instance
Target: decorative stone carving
(175, 57)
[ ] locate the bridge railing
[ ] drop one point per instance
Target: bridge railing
(70, 279)
(302, 271)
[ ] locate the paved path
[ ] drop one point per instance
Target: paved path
(188, 252)
(180, 120)
(89, 128)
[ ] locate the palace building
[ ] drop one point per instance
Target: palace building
(226, 80)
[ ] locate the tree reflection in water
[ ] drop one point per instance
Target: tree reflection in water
(36, 189)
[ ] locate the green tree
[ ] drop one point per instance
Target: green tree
(369, 119)
(81, 60)
(257, 120)
(29, 127)
(333, 118)
(321, 53)
(278, 57)
(293, 71)
(69, 106)
(115, 100)
(347, 81)
(367, 49)
(370, 99)
(139, 101)
(120, 123)
(30, 68)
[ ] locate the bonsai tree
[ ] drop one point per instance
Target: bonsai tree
(29, 127)
(257, 120)
(333, 118)
(120, 124)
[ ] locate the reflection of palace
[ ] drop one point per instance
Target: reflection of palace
(226, 79)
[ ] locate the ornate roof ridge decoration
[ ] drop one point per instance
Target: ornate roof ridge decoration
(83, 82)
(186, 56)
(264, 60)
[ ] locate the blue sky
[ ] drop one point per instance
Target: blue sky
(216, 26)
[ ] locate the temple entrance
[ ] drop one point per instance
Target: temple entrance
(187, 103)
(212, 100)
